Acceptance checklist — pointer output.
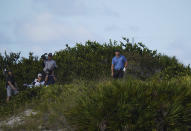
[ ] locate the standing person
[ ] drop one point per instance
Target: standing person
(11, 85)
(50, 64)
(119, 65)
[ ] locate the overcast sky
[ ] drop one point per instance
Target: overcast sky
(48, 25)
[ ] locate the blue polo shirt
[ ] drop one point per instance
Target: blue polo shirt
(119, 62)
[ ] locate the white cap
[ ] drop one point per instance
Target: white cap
(39, 75)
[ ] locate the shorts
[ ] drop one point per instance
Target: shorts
(118, 74)
(10, 91)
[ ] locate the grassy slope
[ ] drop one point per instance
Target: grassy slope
(114, 105)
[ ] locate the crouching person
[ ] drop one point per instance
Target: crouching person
(39, 81)
(11, 85)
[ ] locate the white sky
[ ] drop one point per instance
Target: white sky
(48, 25)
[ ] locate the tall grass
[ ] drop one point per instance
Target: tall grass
(118, 105)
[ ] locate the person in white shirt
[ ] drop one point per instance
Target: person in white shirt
(38, 81)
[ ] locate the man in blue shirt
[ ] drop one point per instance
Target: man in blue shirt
(119, 65)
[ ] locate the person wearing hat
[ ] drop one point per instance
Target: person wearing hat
(38, 81)
(50, 64)
(11, 85)
(119, 65)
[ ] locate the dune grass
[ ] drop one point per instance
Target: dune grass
(127, 104)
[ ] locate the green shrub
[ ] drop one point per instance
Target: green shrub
(89, 61)
(134, 105)
(7, 109)
(119, 105)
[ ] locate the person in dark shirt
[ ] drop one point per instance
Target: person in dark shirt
(11, 85)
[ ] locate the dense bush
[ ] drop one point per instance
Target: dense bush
(119, 105)
(159, 102)
(11, 108)
(92, 60)
(24, 69)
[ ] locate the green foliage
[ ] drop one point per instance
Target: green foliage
(133, 105)
(172, 68)
(7, 109)
(91, 60)
(161, 102)
(24, 69)
(118, 105)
